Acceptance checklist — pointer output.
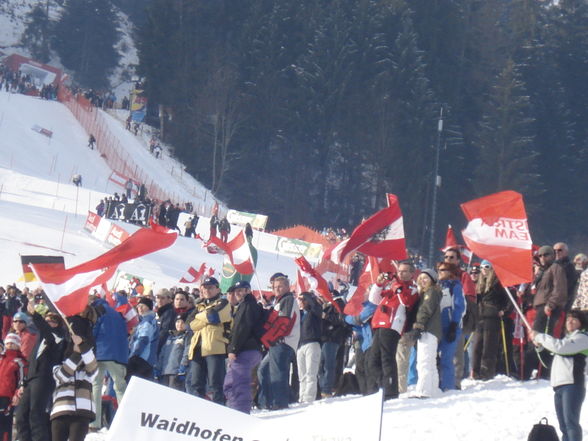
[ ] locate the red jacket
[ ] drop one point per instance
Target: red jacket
(393, 304)
(12, 372)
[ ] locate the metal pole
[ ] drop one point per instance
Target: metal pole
(436, 185)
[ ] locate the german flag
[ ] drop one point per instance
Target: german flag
(56, 262)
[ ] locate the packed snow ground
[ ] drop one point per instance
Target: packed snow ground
(41, 212)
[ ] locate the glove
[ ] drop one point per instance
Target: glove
(181, 370)
(451, 332)
(212, 317)
(414, 335)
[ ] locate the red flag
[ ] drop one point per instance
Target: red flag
(498, 231)
(366, 279)
(239, 251)
(301, 284)
(317, 283)
(381, 235)
(68, 288)
(451, 242)
(193, 275)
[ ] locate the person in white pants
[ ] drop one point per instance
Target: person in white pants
(426, 332)
(308, 355)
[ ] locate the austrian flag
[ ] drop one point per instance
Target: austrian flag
(498, 231)
(68, 289)
(238, 249)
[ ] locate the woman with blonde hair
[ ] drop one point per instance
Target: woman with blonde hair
(492, 303)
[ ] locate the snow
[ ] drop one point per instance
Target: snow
(41, 212)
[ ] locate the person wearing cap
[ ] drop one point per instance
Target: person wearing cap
(244, 349)
(426, 331)
(12, 376)
(274, 370)
(208, 347)
(169, 361)
(492, 305)
(551, 285)
(112, 354)
(144, 342)
(20, 325)
(395, 298)
(567, 372)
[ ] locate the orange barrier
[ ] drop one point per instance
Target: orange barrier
(109, 146)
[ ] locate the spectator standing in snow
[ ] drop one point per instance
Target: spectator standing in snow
(567, 372)
(91, 142)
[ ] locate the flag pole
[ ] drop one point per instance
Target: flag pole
(517, 309)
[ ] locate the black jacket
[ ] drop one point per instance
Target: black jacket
(311, 323)
(48, 350)
(166, 319)
(246, 321)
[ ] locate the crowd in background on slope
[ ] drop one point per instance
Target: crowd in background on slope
(418, 333)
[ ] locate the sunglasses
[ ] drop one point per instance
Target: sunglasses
(485, 266)
(545, 254)
(18, 321)
(558, 250)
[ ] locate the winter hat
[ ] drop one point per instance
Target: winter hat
(147, 302)
(431, 273)
(485, 263)
(21, 316)
(12, 338)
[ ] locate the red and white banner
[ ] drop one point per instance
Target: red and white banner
(498, 231)
(366, 279)
(316, 282)
(238, 250)
(381, 235)
(193, 275)
(68, 288)
(92, 222)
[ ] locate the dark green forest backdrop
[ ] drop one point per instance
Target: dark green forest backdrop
(309, 111)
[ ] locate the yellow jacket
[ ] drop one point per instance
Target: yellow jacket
(211, 326)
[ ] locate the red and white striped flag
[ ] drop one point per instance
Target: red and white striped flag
(366, 279)
(381, 235)
(68, 289)
(316, 282)
(498, 231)
(238, 249)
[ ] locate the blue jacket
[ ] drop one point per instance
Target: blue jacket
(361, 324)
(453, 304)
(170, 355)
(145, 339)
(110, 332)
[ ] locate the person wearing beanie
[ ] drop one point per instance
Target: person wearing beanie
(567, 372)
(426, 332)
(143, 347)
(12, 376)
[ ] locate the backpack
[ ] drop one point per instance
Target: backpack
(543, 432)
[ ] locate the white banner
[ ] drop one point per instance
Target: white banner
(151, 412)
(345, 419)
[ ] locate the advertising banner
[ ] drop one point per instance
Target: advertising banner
(241, 218)
(134, 213)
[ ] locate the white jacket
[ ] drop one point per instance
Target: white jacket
(569, 361)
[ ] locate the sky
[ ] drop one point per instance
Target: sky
(41, 212)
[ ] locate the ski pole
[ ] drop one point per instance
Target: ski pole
(504, 346)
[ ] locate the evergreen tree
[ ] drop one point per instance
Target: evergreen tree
(36, 35)
(507, 159)
(85, 36)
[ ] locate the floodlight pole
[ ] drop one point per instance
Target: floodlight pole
(436, 185)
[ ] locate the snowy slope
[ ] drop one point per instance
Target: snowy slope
(42, 213)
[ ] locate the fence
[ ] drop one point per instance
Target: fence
(109, 145)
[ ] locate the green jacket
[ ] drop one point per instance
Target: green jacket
(428, 316)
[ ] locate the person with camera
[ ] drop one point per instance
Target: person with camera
(395, 295)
